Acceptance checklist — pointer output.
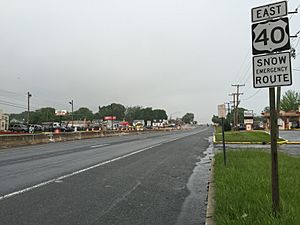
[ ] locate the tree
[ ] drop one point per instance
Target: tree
(216, 119)
(46, 114)
(240, 112)
(18, 116)
(188, 118)
(140, 113)
(160, 114)
(83, 113)
(133, 113)
(113, 109)
(290, 101)
(118, 111)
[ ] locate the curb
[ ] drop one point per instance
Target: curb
(293, 143)
(286, 142)
(210, 197)
(253, 143)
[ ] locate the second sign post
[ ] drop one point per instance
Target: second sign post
(271, 68)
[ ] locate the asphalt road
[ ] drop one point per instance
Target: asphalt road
(290, 135)
(157, 178)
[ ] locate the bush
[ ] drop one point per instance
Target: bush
(227, 126)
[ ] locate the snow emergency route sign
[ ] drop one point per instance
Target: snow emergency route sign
(272, 70)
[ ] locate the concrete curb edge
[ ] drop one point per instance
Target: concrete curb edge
(284, 142)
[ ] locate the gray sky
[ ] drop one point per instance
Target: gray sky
(181, 55)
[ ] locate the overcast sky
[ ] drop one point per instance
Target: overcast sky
(178, 55)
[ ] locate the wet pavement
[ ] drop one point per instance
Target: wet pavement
(197, 198)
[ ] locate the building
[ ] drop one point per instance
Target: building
(286, 120)
(4, 121)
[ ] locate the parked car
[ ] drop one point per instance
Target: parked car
(66, 129)
(241, 126)
(18, 128)
(37, 127)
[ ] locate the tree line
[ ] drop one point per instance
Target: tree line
(47, 114)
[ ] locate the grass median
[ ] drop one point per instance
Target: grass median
(245, 136)
(243, 189)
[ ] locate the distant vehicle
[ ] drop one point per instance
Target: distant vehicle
(67, 129)
(139, 126)
(37, 127)
(55, 125)
(18, 128)
(241, 126)
(62, 128)
(47, 127)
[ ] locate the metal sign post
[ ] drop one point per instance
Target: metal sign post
(274, 157)
(223, 141)
(272, 68)
(222, 115)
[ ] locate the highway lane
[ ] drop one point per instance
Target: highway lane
(26, 166)
(143, 170)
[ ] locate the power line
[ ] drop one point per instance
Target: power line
(297, 42)
(12, 105)
(9, 92)
(296, 11)
(246, 99)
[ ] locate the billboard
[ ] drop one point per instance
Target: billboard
(61, 112)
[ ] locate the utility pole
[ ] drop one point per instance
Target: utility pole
(234, 106)
(28, 109)
(238, 93)
(72, 104)
(228, 106)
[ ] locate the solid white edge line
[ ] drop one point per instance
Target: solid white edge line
(76, 172)
(89, 168)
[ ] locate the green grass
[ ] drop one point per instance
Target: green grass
(218, 129)
(243, 189)
(244, 136)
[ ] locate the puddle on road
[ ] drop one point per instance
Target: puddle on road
(194, 207)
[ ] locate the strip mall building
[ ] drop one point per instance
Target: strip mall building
(4, 121)
(286, 120)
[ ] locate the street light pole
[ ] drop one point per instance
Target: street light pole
(72, 104)
(28, 108)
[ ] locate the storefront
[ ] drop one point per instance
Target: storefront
(4, 122)
(286, 120)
